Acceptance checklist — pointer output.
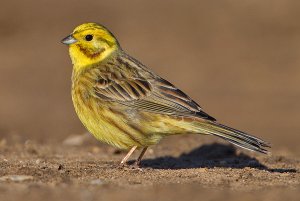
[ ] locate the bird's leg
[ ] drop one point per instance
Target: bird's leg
(124, 160)
(138, 161)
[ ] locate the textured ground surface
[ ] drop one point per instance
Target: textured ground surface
(80, 170)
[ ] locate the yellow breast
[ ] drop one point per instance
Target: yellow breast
(105, 123)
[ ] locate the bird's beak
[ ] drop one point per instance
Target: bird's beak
(69, 40)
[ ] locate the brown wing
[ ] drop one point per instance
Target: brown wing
(168, 91)
(122, 90)
(154, 95)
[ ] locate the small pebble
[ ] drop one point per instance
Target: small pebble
(60, 167)
(38, 161)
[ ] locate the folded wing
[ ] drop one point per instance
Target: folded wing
(154, 95)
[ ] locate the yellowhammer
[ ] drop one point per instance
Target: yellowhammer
(125, 104)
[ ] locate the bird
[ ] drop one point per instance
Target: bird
(125, 104)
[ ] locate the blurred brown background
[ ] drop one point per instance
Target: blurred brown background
(238, 59)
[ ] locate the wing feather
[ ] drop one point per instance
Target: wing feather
(154, 95)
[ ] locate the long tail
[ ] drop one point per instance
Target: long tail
(234, 136)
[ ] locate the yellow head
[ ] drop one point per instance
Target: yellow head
(90, 43)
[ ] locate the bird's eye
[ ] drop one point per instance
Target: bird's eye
(89, 37)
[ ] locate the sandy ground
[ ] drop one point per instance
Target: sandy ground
(238, 59)
(195, 167)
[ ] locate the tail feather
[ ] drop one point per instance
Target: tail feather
(234, 136)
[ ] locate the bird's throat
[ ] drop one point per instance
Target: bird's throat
(82, 57)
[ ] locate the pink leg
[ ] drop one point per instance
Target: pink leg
(124, 160)
(138, 161)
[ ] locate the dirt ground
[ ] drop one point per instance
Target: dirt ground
(79, 169)
(238, 59)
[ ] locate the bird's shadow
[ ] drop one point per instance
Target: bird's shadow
(209, 156)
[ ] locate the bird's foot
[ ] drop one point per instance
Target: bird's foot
(134, 166)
